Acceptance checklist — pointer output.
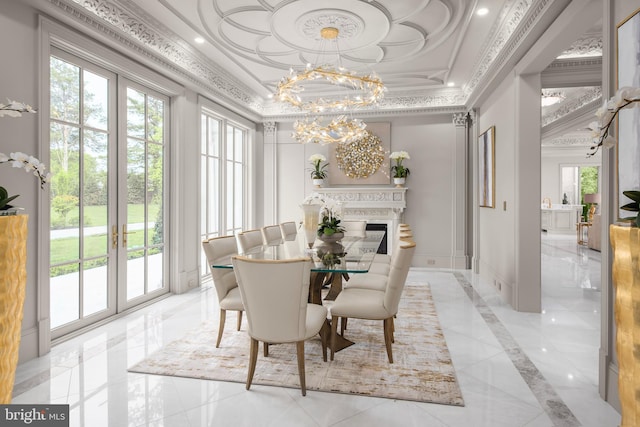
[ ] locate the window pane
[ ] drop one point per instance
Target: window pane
(230, 196)
(230, 151)
(96, 101)
(214, 137)
(239, 206)
(65, 91)
(239, 145)
(214, 197)
(203, 134)
(155, 194)
(156, 120)
(135, 113)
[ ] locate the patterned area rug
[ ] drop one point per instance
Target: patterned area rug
(422, 369)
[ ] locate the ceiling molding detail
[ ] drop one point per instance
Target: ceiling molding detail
(138, 31)
(583, 141)
(571, 106)
(504, 40)
(588, 46)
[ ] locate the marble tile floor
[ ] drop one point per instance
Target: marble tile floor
(514, 369)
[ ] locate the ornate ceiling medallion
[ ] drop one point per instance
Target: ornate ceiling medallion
(361, 158)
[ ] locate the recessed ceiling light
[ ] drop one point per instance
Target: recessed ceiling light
(482, 11)
(199, 40)
(451, 84)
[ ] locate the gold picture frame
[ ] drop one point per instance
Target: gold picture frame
(486, 168)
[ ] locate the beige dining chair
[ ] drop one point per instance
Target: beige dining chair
(372, 304)
(249, 239)
(219, 250)
(271, 234)
(357, 228)
(275, 293)
(288, 230)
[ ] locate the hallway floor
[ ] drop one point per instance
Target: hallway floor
(514, 369)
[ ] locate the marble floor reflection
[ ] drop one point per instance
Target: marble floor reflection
(515, 369)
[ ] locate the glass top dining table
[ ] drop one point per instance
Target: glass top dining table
(351, 254)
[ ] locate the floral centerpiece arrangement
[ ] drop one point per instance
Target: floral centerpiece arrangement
(18, 159)
(625, 97)
(330, 223)
(399, 170)
(318, 171)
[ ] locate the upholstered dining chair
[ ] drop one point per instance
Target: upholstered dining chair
(275, 293)
(372, 304)
(219, 250)
(356, 228)
(249, 239)
(271, 234)
(288, 230)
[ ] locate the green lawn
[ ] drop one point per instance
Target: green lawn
(97, 215)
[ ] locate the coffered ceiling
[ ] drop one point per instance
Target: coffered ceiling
(432, 55)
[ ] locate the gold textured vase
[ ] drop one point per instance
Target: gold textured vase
(13, 282)
(625, 242)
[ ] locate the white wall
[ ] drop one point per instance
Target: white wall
(430, 141)
(18, 81)
(496, 226)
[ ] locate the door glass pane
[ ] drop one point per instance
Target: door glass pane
(95, 286)
(94, 195)
(64, 192)
(64, 91)
(155, 270)
(65, 294)
(155, 194)
(214, 137)
(136, 189)
(96, 101)
(214, 197)
(135, 274)
(135, 113)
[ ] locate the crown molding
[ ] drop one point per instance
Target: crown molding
(573, 72)
(568, 141)
(588, 99)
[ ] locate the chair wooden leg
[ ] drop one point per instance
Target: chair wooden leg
(300, 351)
(334, 333)
(223, 316)
(393, 330)
(387, 338)
(324, 338)
(253, 357)
(239, 320)
(265, 346)
(343, 325)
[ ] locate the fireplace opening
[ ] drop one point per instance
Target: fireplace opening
(382, 249)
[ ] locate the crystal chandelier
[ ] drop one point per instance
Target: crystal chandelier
(368, 90)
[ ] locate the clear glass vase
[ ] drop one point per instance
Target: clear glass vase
(310, 221)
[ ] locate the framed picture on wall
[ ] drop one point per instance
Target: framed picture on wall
(628, 132)
(486, 165)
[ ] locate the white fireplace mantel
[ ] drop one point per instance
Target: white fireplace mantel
(377, 205)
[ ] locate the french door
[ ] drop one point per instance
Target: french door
(108, 155)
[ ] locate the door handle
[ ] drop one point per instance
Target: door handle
(114, 236)
(124, 235)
